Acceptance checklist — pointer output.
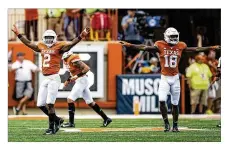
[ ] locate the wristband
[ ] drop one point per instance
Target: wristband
(19, 36)
(79, 37)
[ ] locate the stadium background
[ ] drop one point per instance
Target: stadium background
(185, 21)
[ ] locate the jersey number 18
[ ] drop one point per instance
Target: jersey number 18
(170, 61)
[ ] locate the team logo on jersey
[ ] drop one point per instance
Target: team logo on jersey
(47, 51)
(171, 52)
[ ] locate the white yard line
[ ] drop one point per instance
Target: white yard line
(122, 129)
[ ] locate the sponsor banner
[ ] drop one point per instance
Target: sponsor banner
(93, 56)
(141, 90)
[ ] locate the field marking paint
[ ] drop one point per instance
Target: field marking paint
(120, 129)
(124, 129)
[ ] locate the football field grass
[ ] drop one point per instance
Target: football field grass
(120, 130)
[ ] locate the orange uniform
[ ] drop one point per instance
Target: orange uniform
(169, 57)
(74, 70)
(51, 57)
(214, 63)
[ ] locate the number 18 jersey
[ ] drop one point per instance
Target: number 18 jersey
(169, 56)
(51, 57)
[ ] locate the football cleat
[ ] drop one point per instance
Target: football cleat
(56, 127)
(167, 127)
(107, 122)
(68, 125)
(219, 125)
(53, 128)
(59, 122)
(49, 132)
(175, 129)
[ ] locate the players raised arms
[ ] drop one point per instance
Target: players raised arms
(170, 50)
(51, 51)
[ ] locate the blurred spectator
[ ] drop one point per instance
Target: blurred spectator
(23, 87)
(101, 26)
(74, 16)
(191, 60)
(129, 27)
(130, 32)
(54, 18)
(144, 67)
(31, 19)
(202, 39)
(198, 75)
(154, 65)
(152, 68)
(212, 63)
(87, 15)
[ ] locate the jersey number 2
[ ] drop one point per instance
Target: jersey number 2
(170, 61)
(47, 58)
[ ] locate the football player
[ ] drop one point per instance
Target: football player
(170, 50)
(212, 63)
(80, 74)
(51, 52)
(217, 78)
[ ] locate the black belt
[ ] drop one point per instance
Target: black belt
(24, 81)
(47, 74)
(84, 74)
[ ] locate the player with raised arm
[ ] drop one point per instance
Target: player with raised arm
(170, 50)
(80, 74)
(51, 52)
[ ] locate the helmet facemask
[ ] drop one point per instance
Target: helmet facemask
(49, 40)
(171, 36)
(174, 39)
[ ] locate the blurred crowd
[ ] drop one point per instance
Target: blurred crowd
(67, 23)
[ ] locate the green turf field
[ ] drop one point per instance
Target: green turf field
(120, 130)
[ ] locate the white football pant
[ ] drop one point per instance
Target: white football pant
(212, 90)
(81, 88)
(169, 85)
(48, 90)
